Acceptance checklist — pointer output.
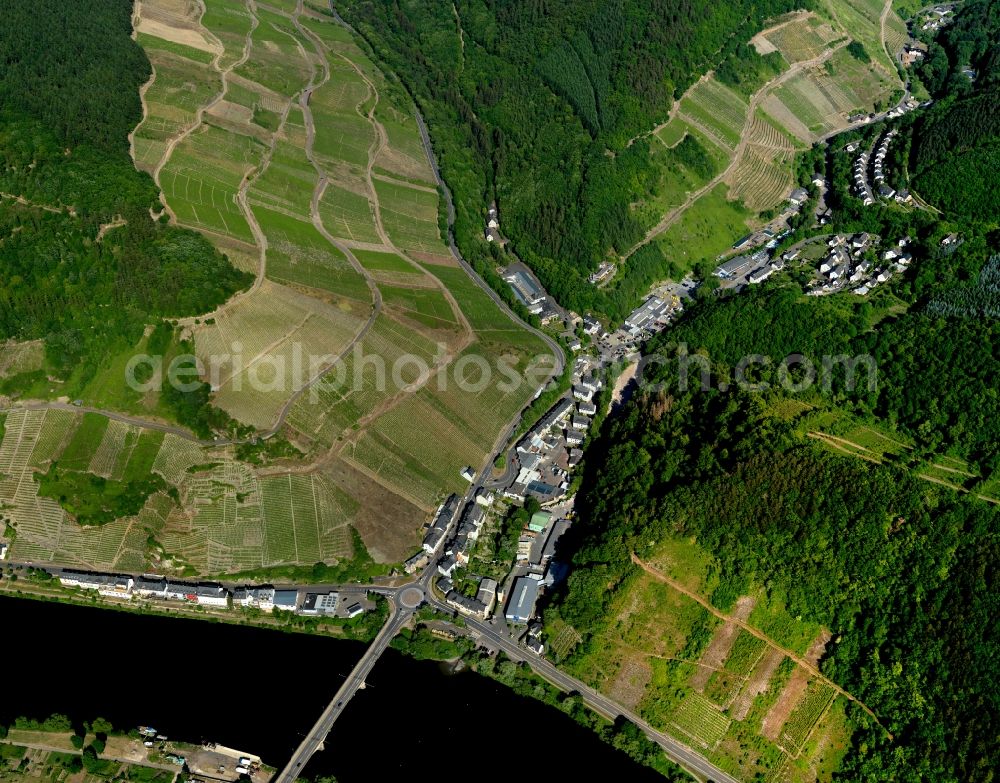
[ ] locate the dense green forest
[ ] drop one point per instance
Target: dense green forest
(899, 572)
(955, 152)
(64, 153)
(937, 362)
(534, 103)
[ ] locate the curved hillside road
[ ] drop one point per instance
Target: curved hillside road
(881, 27)
(558, 355)
(509, 472)
(146, 424)
(557, 352)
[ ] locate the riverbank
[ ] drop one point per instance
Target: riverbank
(95, 749)
(246, 688)
(36, 584)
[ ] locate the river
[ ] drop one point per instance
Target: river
(259, 690)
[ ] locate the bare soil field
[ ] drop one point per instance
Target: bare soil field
(178, 34)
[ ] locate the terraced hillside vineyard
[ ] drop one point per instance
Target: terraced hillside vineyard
(360, 350)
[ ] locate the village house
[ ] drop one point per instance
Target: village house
(734, 267)
(799, 196)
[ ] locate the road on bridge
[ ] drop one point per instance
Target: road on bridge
(317, 735)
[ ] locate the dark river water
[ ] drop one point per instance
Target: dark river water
(259, 691)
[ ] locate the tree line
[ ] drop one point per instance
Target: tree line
(68, 99)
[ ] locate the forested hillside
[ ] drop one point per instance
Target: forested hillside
(535, 103)
(65, 172)
(825, 506)
(899, 573)
(936, 362)
(956, 149)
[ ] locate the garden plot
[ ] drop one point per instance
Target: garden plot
(175, 21)
(343, 134)
(480, 310)
(763, 178)
(817, 699)
(228, 21)
(719, 648)
(757, 683)
(427, 306)
(222, 530)
(179, 88)
(410, 216)
(116, 446)
(715, 110)
(726, 683)
(298, 255)
(175, 456)
(793, 693)
(347, 212)
(351, 391)
(387, 523)
(287, 183)
(699, 721)
(390, 265)
(305, 520)
(267, 346)
(861, 18)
